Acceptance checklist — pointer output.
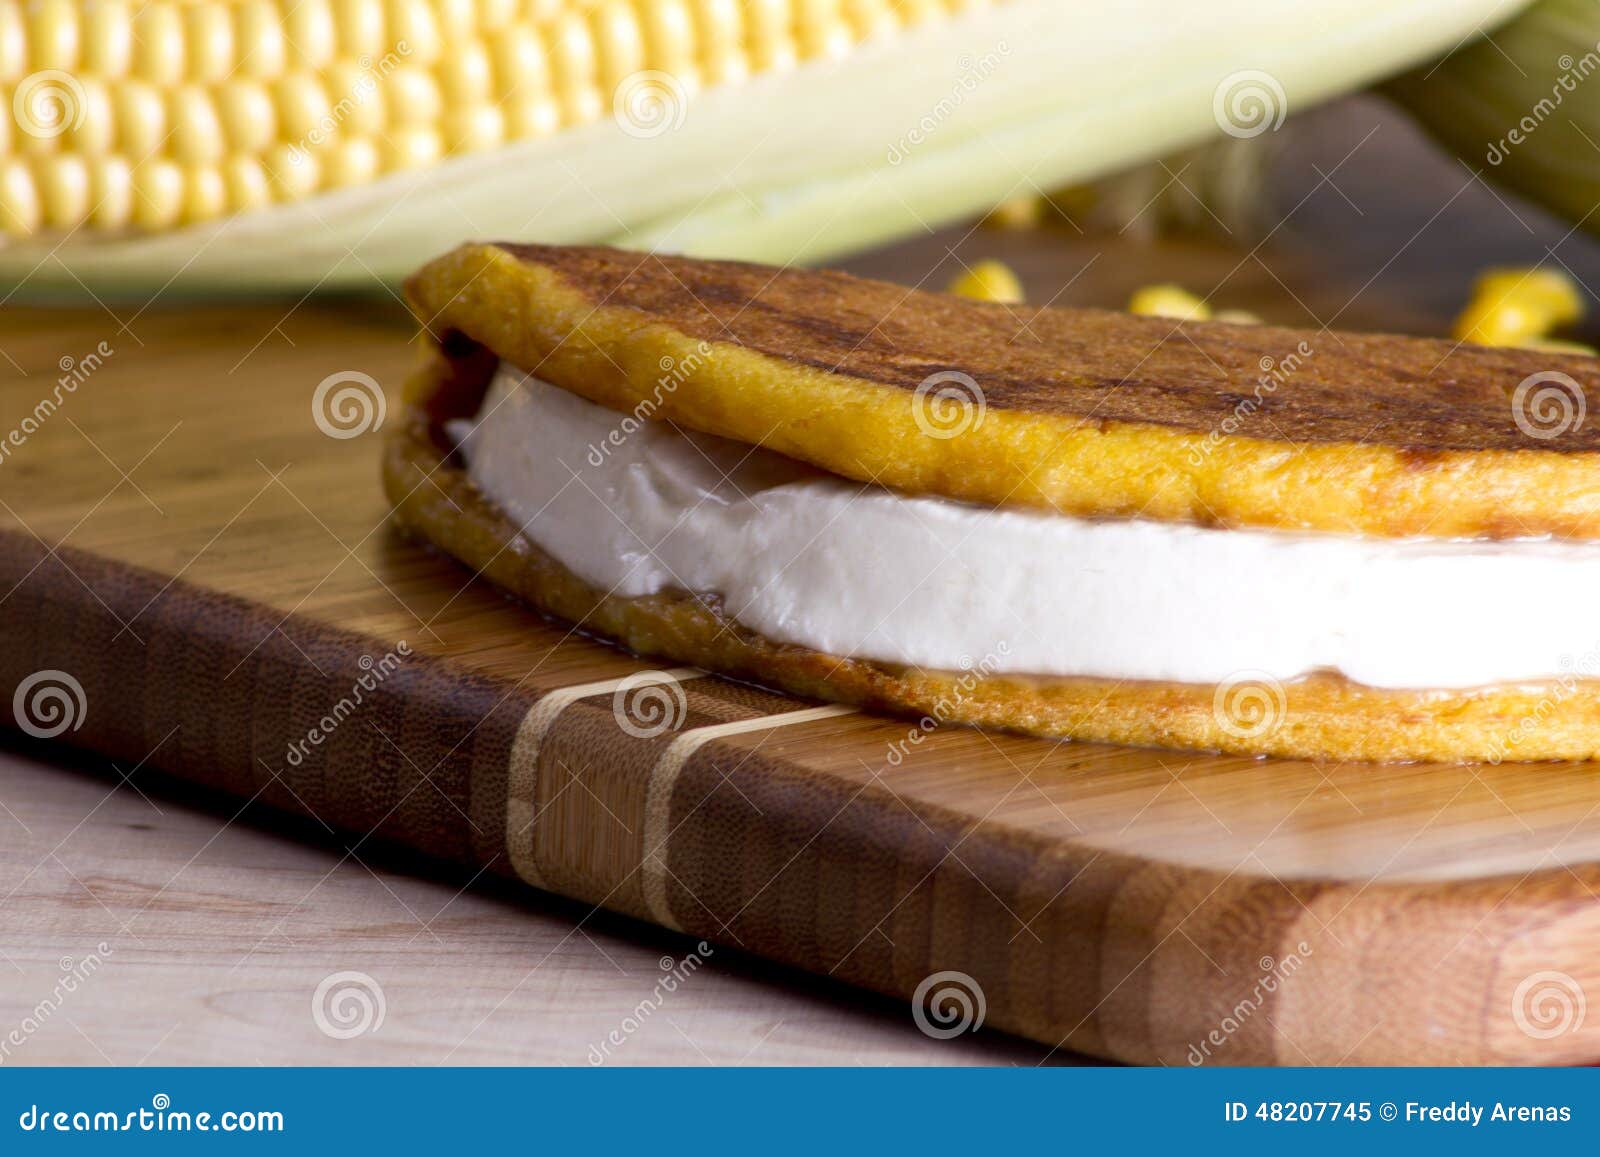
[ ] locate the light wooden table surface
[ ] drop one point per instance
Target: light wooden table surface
(218, 926)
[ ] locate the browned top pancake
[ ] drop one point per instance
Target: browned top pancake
(1084, 411)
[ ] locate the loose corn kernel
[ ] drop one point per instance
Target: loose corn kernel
(1508, 307)
(1550, 288)
(1168, 301)
(988, 281)
(1502, 321)
(1021, 212)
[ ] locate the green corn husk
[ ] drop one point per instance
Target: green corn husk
(1523, 107)
(816, 162)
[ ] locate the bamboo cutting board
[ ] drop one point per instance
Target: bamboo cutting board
(186, 543)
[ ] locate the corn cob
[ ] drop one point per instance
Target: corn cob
(171, 112)
(285, 144)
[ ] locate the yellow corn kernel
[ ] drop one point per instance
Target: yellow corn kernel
(722, 33)
(309, 33)
(13, 42)
(141, 119)
(465, 75)
(1021, 212)
(158, 55)
(520, 64)
(208, 42)
(110, 192)
(618, 41)
(670, 40)
(248, 120)
(493, 15)
(196, 131)
(411, 148)
(771, 35)
(358, 27)
(1502, 321)
(458, 21)
(574, 70)
(1168, 301)
(205, 194)
(94, 131)
(63, 185)
(157, 194)
(107, 39)
(302, 106)
(53, 35)
(258, 31)
(19, 199)
(1236, 317)
(988, 281)
(360, 99)
(293, 173)
(1549, 288)
(412, 98)
(350, 162)
(533, 117)
(470, 130)
(413, 30)
(246, 183)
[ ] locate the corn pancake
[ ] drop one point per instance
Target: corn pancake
(1087, 412)
(1322, 716)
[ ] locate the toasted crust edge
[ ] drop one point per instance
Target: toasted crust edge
(532, 316)
(1322, 717)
